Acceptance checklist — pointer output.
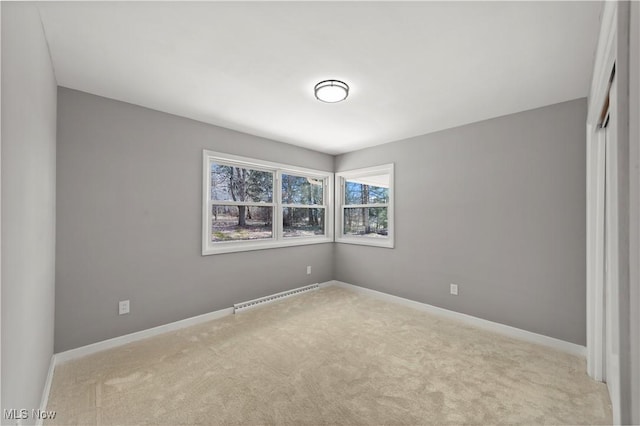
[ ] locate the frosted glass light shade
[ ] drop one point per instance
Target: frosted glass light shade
(331, 91)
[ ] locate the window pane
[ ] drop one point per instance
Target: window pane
(366, 221)
(302, 222)
(230, 183)
(367, 190)
(301, 190)
(234, 223)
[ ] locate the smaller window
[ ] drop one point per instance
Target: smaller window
(364, 207)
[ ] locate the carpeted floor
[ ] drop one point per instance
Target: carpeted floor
(328, 357)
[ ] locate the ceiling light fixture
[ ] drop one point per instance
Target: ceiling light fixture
(331, 91)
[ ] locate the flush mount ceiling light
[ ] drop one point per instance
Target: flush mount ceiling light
(331, 91)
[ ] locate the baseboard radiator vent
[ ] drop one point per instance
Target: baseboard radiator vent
(245, 306)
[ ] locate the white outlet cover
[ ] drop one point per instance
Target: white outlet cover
(308, 270)
(453, 288)
(123, 307)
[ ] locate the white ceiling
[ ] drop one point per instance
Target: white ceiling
(413, 68)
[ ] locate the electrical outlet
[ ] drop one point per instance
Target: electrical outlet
(123, 307)
(453, 289)
(308, 270)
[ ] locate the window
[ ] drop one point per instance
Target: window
(364, 207)
(303, 211)
(251, 204)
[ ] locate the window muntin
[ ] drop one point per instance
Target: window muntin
(251, 204)
(365, 211)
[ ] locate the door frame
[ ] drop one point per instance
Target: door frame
(605, 60)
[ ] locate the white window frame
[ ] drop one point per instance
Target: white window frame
(209, 247)
(341, 177)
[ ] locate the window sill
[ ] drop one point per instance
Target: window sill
(367, 241)
(239, 246)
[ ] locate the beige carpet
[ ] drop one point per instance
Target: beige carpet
(328, 357)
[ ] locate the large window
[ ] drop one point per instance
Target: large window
(251, 204)
(364, 206)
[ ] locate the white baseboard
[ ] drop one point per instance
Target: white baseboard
(144, 334)
(139, 335)
(495, 327)
(506, 330)
(47, 388)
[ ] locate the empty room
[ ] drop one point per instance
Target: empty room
(320, 212)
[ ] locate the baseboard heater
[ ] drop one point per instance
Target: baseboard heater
(244, 306)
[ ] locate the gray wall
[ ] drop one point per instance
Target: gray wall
(497, 207)
(129, 222)
(634, 168)
(28, 206)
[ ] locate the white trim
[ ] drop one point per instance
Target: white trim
(604, 61)
(240, 203)
(235, 247)
(83, 351)
(47, 388)
(327, 283)
(387, 241)
(612, 283)
(303, 206)
(139, 335)
(505, 330)
(595, 250)
(263, 165)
